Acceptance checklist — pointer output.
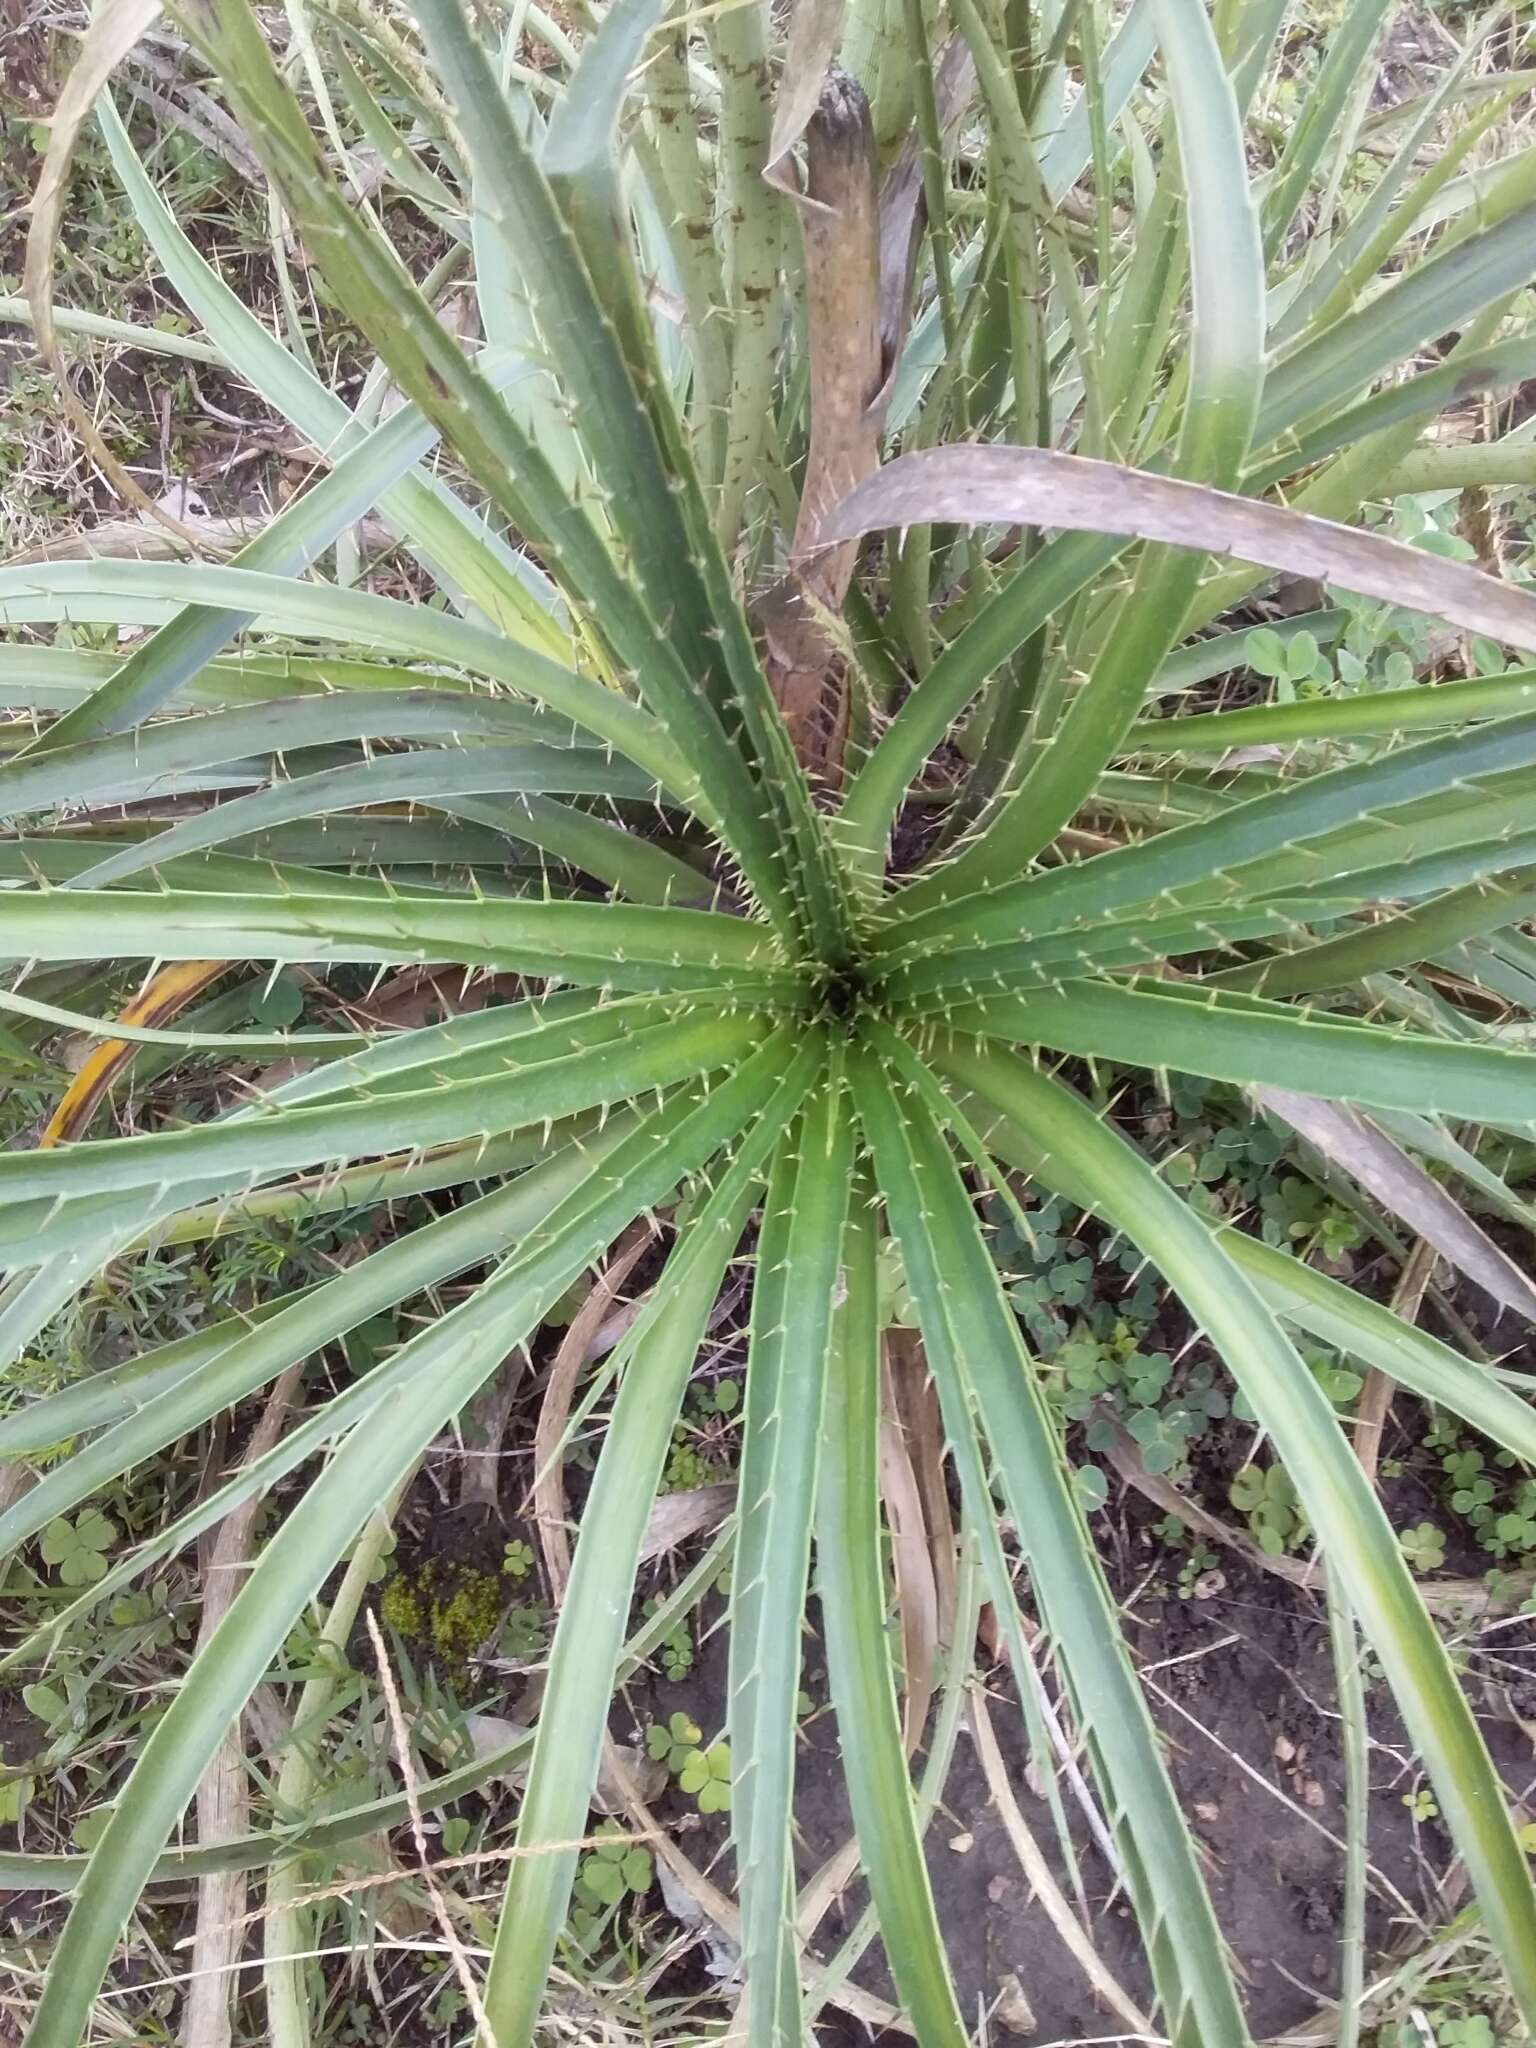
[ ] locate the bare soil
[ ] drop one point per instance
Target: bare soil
(1241, 1686)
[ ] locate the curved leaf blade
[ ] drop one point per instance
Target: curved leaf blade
(976, 1353)
(850, 1586)
(1251, 1042)
(1354, 1534)
(662, 1350)
(799, 1260)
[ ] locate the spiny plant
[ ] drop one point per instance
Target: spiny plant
(808, 904)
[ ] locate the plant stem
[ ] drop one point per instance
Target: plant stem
(1489, 465)
(752, 214)
(1351, 1693)
(285, 1930)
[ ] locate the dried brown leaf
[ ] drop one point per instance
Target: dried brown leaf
(917, 1408)
(549, 1433)
(1040, 1877)
(902, 207)
(1403, 1188)
(916, 1594)
(163, 998)
(675, 1517)
(977, 486)
(815, 30)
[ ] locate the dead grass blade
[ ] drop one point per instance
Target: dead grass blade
(163, 998)
(912, 1547)
(1463, 1597)
(917, 1408)
(1123, 1454)
(548, 1463)
(976, 486)
(402, 1746)
(1380, 1883)
(825, 1886)
(917, 1595)
(1037, 1874)
(381, 1880)
(130, 540)
(116, 25)
(1375, 1402)
(874, 2012)
(1402, 1187)
(489, 1413)
(677, 1518)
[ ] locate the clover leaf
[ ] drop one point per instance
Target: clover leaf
(674, 1743)
(616, 1866)
(76, 1549)
(706, 1774)
(1424, 1547)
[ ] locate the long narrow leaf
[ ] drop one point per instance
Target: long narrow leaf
(98, 590)
(1299, 1294)
(1375, 716)
(604, 945)
(689, 1126)
(1249, 1041)
(369, 280)
(546, 1080)
(589, 1631)
(300, 534)
(454, 542)
(1356, 1538)
(419, 777)
(1302, 838)
(162, 1397)
(850, 1583)
(799, 1259)
(976, 1354)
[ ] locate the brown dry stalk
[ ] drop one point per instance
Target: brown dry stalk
(131, 540)
(382, 1880)
(223, 1792)
(826, 1883)
(1349, 1139)
(164, 996)
(917, 1596)
(815, 30)
(917, 1405)
(440, 1911)
(1375, 1403)
(1440, 1596)
(874, 2012)
(677, 1517)
(489, 1412)
(548, 1464)
(840, 227)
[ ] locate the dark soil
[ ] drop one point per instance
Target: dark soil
(1240, 1683)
